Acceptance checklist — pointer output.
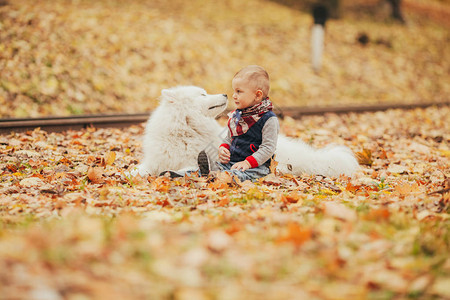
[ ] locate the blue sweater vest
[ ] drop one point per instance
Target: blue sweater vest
(248, 143)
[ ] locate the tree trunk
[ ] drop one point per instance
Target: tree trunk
(396, 11)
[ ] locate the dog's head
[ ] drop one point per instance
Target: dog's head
(192, 98)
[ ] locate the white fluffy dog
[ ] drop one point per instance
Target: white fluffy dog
(184, 124)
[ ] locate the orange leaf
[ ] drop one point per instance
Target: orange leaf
(406, 189)
(292, 197)
(65, 161)
(383, 154)
(224, 201)
(160, 184)
(217, 185)
(12, 168)
(378, 214)
(233, 228)
(296, 235)
(353, 188)
(163, 202)
(365, 157)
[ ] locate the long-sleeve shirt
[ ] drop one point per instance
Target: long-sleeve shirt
(268, 144)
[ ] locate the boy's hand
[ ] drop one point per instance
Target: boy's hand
(224, 155)
(242, 166)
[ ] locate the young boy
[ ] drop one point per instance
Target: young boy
(253, 128)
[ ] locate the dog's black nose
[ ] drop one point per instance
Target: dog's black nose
(225, 95)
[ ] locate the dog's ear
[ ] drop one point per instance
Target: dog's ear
(168, 95)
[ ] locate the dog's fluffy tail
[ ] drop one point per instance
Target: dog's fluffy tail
(295, 156)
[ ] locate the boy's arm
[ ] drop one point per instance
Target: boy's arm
(226, 141)
(268, 145)
(224, 149)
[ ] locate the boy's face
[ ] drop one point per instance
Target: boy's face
(245, 95)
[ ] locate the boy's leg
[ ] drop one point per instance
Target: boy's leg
(250, 174)
(224, 167)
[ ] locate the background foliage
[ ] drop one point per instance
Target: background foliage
(66, 57)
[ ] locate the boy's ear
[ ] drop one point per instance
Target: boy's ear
(259, 94)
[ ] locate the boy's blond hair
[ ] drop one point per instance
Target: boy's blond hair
(256, 76)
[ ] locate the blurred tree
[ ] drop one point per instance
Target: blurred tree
(396, 10)
(333, 6)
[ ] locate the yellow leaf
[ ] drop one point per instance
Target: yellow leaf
(110, 157)
(273, 166)
(445, 153)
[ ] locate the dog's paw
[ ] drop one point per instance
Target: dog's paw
(136, 171)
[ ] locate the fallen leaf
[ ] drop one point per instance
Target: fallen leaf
(110, 157)
(223, 201)
(406, 189)
(218, 240)
(397, 169)
(272, 179)
(441, 287)
(95, 174)
(31, 182)
(339, 211)
(160, 184)
(379, 214)
(296, 235)
(422, 215)
(292, 197)
(365, 157)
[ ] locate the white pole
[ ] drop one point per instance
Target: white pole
(317, 40)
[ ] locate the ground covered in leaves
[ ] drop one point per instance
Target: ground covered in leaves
(65, 57)
(73, 226)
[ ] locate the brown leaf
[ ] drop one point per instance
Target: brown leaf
(273, 166)
(224, 178)
(95, 174)
(272, 179)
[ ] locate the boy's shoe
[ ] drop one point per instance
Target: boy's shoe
(203, 163)
(171, 174)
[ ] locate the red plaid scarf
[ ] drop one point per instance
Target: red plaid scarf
(240, 120)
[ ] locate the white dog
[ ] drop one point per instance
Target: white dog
(184, 124)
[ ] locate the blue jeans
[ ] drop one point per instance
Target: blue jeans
(249, 174)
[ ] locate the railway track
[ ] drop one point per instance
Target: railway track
(58, 124)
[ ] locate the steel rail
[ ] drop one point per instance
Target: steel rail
(58, 124)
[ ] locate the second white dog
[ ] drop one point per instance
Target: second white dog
(184, 124)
